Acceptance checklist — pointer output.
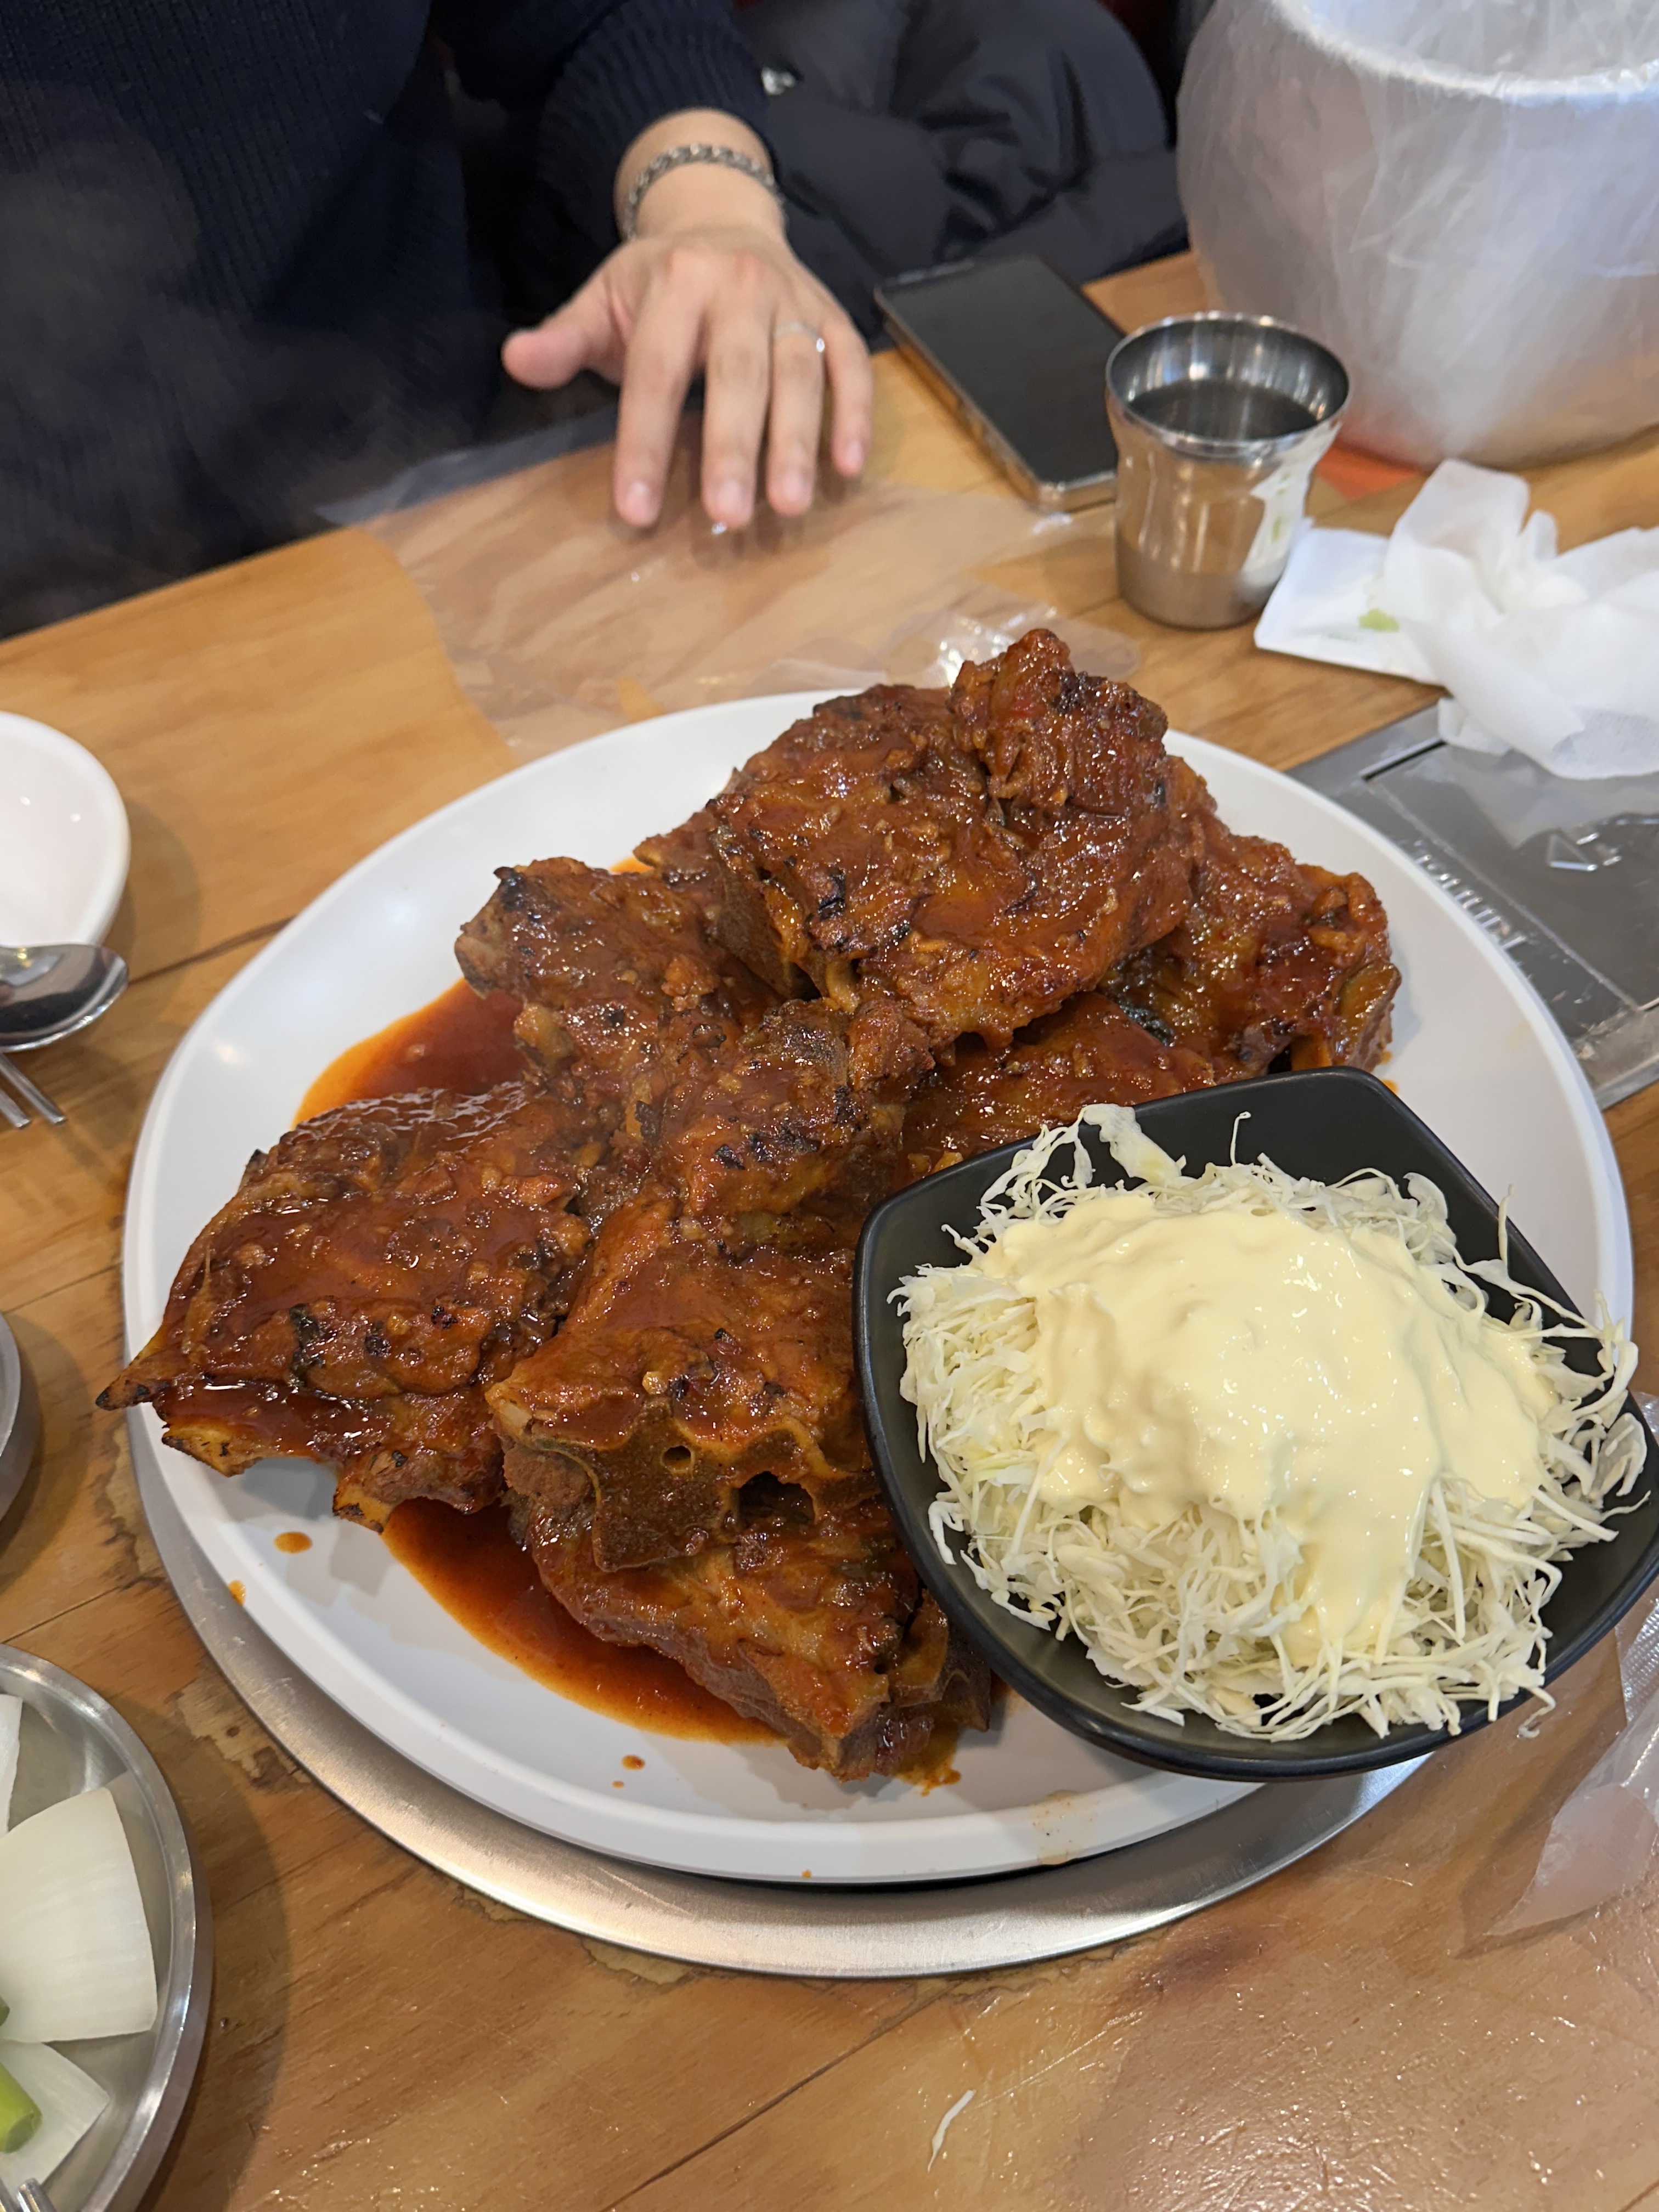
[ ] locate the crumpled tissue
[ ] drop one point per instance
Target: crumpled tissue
(1553, 654)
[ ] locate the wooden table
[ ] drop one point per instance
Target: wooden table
(1350, 2034)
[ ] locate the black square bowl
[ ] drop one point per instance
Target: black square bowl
(1326, 1124)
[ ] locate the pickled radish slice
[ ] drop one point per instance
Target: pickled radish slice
(74, 1950)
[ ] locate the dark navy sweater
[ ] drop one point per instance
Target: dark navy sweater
(234, 267)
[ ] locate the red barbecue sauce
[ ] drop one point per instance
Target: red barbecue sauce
(460, 1043)
(481, 1577)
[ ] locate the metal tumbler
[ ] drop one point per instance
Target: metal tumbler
(1219, 421)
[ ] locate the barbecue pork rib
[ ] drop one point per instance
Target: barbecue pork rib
(376, 1266)
(618, 973)
(979, 856)
(810, 1620)
(710, 1337)
(1274, 956)
(684, 1372)
(1091, 1052)
(687, 1453)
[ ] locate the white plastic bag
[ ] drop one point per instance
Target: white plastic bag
(1602, 1841)
(1460, 197)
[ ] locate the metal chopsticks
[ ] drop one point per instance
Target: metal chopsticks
(29, 1092)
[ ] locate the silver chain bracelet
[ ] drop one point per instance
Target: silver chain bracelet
(680, 157)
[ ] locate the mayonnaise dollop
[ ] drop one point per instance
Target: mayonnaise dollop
(1270, 1365)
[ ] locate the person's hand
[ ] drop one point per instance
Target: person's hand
(710, 283)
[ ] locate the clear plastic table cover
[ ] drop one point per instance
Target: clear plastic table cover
(561, 622)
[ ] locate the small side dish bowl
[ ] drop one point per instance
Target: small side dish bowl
(1326, 1125)
(64, 839)
(74, 1741)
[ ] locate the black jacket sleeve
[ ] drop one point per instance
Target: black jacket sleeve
(600, 72)
(920, 132)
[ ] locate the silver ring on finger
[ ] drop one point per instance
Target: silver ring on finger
(800, 330)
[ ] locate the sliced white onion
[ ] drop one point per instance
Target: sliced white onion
(75, 1950)
(11, 1722)
(69, 2102)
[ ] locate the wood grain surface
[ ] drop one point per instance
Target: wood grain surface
(1353, 2034)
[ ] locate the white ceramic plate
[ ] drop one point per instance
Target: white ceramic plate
(1475, 1054)
(64, 841)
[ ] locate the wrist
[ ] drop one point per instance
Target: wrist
(700, 194)
(702, 198)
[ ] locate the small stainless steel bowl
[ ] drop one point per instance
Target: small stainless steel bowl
(20, 1420)
(74, 1741)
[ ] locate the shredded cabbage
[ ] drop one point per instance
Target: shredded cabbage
(1195, 1614)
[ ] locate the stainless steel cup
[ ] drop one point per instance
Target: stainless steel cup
(1219, 420)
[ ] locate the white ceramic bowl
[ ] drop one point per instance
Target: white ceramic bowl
(64, 841)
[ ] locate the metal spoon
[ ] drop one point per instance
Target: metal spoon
(48, 992)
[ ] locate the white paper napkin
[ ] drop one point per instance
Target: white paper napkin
(1556, 655)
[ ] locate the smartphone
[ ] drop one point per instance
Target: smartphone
(1020, 354)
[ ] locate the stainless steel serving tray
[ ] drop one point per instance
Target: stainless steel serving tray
(74, 1741)
(850, 1933)
(1563, 874)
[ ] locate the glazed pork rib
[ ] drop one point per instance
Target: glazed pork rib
(1091, 1052)
(1274, 957)
(687, 1453)
(813, 1623)
(694, 1476)
(616, 973)
(685, 1373)
(376, 1266)
(710, 1341)
(621, 986)
(978, 857)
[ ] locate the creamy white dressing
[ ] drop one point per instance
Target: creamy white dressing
(1271, 1367)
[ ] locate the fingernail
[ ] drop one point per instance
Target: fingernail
(794, 488)
(855, 457)
(728, 500)
(635, 502)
